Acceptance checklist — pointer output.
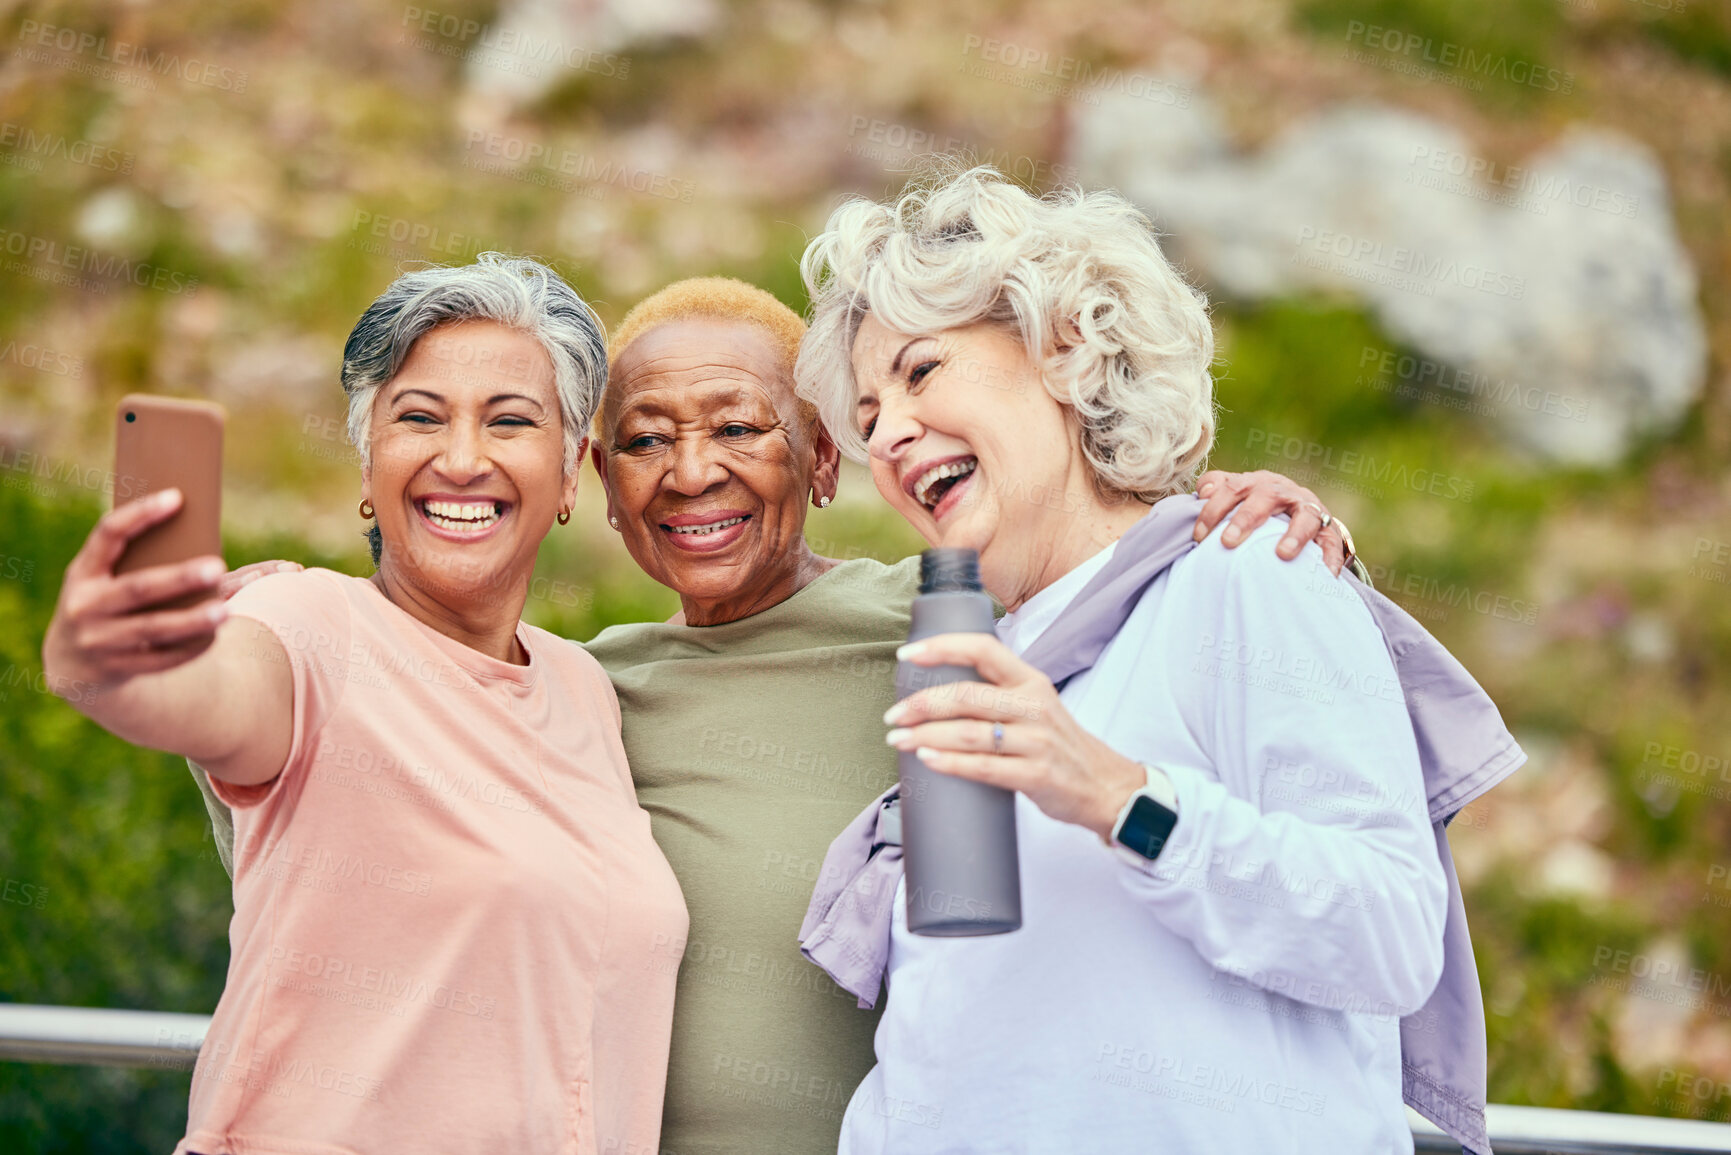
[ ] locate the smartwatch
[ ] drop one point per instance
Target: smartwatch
(1147, 819)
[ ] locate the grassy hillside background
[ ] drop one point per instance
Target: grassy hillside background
(333, 142)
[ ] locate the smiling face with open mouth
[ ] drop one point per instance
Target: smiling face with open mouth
(708, 462)
(466, 465)
(970, 447)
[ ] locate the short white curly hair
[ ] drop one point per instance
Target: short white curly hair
(1118, 336)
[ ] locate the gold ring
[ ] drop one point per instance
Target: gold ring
(1356, 567)
(1346, 536)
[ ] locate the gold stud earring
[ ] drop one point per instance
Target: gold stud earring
(366, 509)
(564, 517)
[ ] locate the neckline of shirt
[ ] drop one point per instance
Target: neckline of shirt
(785, 605)
(1023, 627)
(469, 659)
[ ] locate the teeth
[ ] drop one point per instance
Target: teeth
(932, 476)
(461, 515)
(708, 528)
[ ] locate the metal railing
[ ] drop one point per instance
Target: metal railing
(1550, 1131)
(86, 1035)
(93, 1036)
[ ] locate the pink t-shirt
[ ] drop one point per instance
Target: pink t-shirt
(452, 930)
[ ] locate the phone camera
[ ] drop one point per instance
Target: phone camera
(131, 417)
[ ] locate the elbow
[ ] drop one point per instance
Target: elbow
(1412, 983)
(1420, 912)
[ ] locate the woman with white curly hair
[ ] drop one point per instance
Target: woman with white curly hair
(1232, 889)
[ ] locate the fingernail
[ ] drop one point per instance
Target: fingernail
(1205, 490)
(217, 613)
(209, 571)
(927, 755)
(1230, 537)
(1287, 549)
(165, 497)
(1200, 532)
(910, 651)
(894, 714)
(288, 567)
(897, 736)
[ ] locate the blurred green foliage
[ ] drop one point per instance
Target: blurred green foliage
(1533, 31)
(1698, 31)
(1520, 29)
(1498, 35)
(128, 903)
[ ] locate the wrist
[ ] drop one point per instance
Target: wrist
(1123, 780)
(60, 680)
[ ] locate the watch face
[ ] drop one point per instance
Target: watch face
(1147, 827)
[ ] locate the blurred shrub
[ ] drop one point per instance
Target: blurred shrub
(127, 904)
(1699, 31)
(1499, 34)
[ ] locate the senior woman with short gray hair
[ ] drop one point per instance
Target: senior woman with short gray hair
(452, 928)
(1215, 952)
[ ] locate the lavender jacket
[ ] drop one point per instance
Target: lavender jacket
(1464, 750)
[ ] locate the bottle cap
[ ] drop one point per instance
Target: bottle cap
(944, 571)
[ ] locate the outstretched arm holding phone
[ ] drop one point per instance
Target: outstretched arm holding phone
(192, 681)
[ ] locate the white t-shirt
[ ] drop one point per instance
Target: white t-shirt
(1243, 992)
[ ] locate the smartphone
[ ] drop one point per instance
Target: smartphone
(169, 443)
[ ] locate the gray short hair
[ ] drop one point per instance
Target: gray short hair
(513, 291)
(969, 246)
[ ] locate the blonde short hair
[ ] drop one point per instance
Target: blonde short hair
(715, 299)
(1118, 335)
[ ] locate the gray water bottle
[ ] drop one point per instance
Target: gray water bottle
(958, 837)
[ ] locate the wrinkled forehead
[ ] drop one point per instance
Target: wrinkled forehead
(700, 363)
(478, 356)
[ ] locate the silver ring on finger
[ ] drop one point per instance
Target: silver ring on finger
(1327, 517)
(997, 737)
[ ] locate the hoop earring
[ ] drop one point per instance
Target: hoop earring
(565, 517)
(366, 509)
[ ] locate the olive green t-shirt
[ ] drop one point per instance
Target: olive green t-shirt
(752, 745)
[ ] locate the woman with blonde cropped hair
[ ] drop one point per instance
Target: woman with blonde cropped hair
(753, 718)
(1232, 889)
